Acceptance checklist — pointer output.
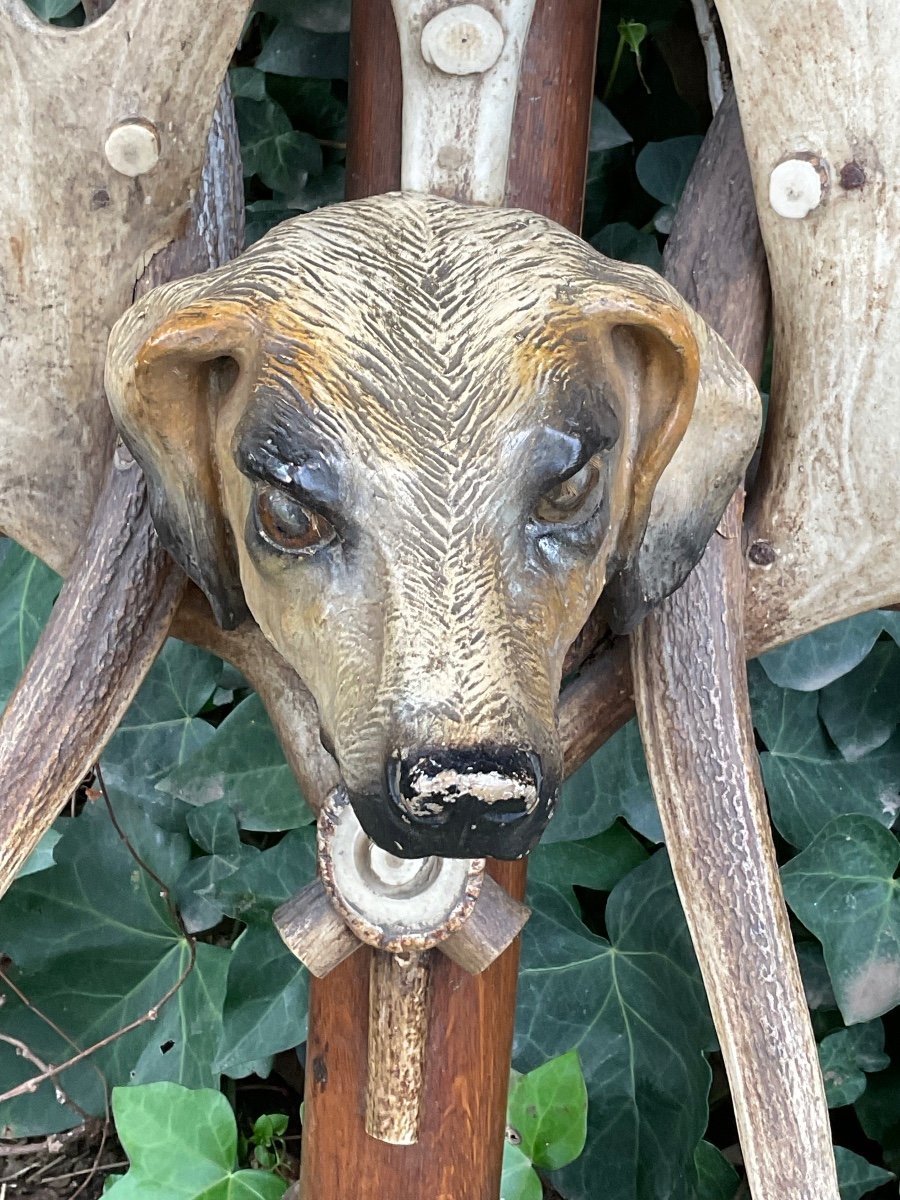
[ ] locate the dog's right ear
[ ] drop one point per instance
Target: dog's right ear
(166, 374)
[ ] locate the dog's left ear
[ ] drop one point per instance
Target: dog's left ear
(695, 417)
(172, 361)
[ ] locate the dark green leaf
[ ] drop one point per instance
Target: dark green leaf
(520, 1181)
(243, 765)
(842, 887)
(816, 980)
(281, 156)
(807, 779)
(548, 1109)
(635, 1010)
(856, 1176)
(41, 856)
(27, 592)
(95, 948)
(324, 16)
(814, 661)
(293, 50)
(878, 1110)
(862, 709)
(598, 863)
(183, 1146)
(319, 190)
(161, 727)
(266, 1003)
(624, 242)
(663, 167)
(248, 83)
(716, 1177)
(846, 1056)
(612, 783)
(606, 131)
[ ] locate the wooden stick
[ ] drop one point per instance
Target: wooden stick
(691, 692)
(459, 1151)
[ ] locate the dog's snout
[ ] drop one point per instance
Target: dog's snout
(460, 802)
(500, 785)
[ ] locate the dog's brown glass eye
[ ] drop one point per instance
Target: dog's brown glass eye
(289, 525)
(578, 494)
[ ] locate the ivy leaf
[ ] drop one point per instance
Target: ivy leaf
(162, 728)
(856, 1176)
(27, 592)
(842, 887)
(663, 167)
(816, 981)
(182, 1145)
(622, 241)
(52, 10)
(612, 783)
(808, 781)
(247, 83)
(243, 765)
(319, 190)
(214, 828)
(519, 1181)
(271, 148)
(878, 1110)
(846, 1056)
(814, 661)
(41, 856)
(606, 132)
(862, 709)
(598, 862)
(266, 1002)
(324, 16)
(716, 1177)
(634, 1009)
(293, 50)
(95, 948)
(548, 1109)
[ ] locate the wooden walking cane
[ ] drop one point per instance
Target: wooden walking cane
(460, 1139)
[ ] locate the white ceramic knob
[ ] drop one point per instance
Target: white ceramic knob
(463, 40)
(795, 188)
(132, 147)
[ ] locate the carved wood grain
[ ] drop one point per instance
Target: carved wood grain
(694, 710)
(459, 1151)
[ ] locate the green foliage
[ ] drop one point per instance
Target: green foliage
(548, 1111)
(843, 888)
(183, 1145)
(547, 1124)
(613, 1035)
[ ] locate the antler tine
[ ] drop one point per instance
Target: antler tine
(691, 691)
(117, 605)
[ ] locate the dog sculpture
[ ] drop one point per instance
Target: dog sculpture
(418, 441)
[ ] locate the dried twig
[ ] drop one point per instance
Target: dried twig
(50, 1072)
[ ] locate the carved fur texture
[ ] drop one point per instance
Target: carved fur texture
(486, 426)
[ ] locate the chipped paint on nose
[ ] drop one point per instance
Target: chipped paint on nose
(426, 794)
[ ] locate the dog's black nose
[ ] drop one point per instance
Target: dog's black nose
(460, 803)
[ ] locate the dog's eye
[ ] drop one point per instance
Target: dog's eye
(290, 526)
(578, 494)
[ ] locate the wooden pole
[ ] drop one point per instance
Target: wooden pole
(459, 1151)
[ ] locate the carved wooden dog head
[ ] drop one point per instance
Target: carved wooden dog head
(418, 440)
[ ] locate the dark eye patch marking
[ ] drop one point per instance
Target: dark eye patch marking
(275, 444)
